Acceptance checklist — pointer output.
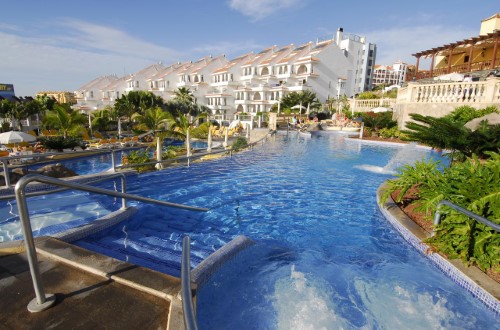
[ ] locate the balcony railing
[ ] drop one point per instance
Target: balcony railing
(484, 92)
(461, 68)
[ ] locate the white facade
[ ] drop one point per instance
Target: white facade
(394, 75)
(164, 83)
(361, 56)
(224, 82)
(139, 80)
(197, 76)
(253, 83)
(89, 97)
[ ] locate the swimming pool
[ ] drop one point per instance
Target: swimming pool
(324, 258)
(100, 163)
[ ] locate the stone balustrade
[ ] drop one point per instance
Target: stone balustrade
(440, 98)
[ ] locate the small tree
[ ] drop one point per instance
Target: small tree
(68, 121)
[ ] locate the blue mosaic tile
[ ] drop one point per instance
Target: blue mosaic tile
(444, 265)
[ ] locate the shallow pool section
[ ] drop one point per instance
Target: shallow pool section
(324, 258)
(50, 214)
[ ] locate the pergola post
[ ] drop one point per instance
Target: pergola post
(416, 67)
(495, 48)
(449, 59)
(432, 64)
(469, 67)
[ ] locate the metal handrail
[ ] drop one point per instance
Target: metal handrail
(484, 221)
(42, 300)
(53, 191)
(187, 298)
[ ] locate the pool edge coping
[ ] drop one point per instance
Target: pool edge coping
(481, 286)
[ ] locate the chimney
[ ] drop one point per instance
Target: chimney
(340, 33)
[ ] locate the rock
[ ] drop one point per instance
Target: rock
(314, 127)
(14, 176)
(56, 171)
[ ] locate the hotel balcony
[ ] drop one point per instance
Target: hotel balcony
(236, 102)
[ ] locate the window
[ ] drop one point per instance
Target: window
(466, 59)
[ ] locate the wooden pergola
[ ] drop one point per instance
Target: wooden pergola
(468, 47)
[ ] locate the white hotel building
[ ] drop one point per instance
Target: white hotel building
(250, 83)
(387, 75)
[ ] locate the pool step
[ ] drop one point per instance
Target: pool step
(160, 254)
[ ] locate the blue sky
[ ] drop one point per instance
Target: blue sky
(61, 45)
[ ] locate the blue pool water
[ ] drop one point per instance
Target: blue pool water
(101, 163)
(324, 258)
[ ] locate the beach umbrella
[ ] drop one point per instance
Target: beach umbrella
(16, 137)
(299, 106)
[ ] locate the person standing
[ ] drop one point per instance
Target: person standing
(466, 90)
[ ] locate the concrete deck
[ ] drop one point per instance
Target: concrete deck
(92, 291)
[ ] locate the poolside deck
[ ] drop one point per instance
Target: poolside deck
(92, 291)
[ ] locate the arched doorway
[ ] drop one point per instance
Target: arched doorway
(302, 69)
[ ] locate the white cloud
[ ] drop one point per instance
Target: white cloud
(259, 9)
(400, 43)
(230, 49)
(72, 56)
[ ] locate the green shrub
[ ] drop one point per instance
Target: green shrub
(378, 121)
(200, 132)
(240, 143)
(466, 113)
(140, 157)
(387, 133)
(60, 142)
(172, 152)
(446, 133)
(472, 185)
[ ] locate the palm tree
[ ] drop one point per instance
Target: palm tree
(183, 94)
(137, 101)
(181, 126)
(154, 119)
(302, 98)
(101, 119)
(184, 101)
(67, 121)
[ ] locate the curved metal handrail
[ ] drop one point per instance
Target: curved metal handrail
(484, 221)
(97, 179)
(187, 298)
(42, 300)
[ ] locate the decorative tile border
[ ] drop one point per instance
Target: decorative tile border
(442, 263)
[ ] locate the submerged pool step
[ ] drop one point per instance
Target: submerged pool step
(174, 238)
(159, 254)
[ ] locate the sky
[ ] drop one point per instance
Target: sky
(62, 45)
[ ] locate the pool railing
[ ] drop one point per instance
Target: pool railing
(484, 221)
(43, 301)
(186, 159)
(186, 290)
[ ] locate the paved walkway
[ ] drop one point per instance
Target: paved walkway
(109, 295)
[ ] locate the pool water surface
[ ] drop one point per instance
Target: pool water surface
(324, 258)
